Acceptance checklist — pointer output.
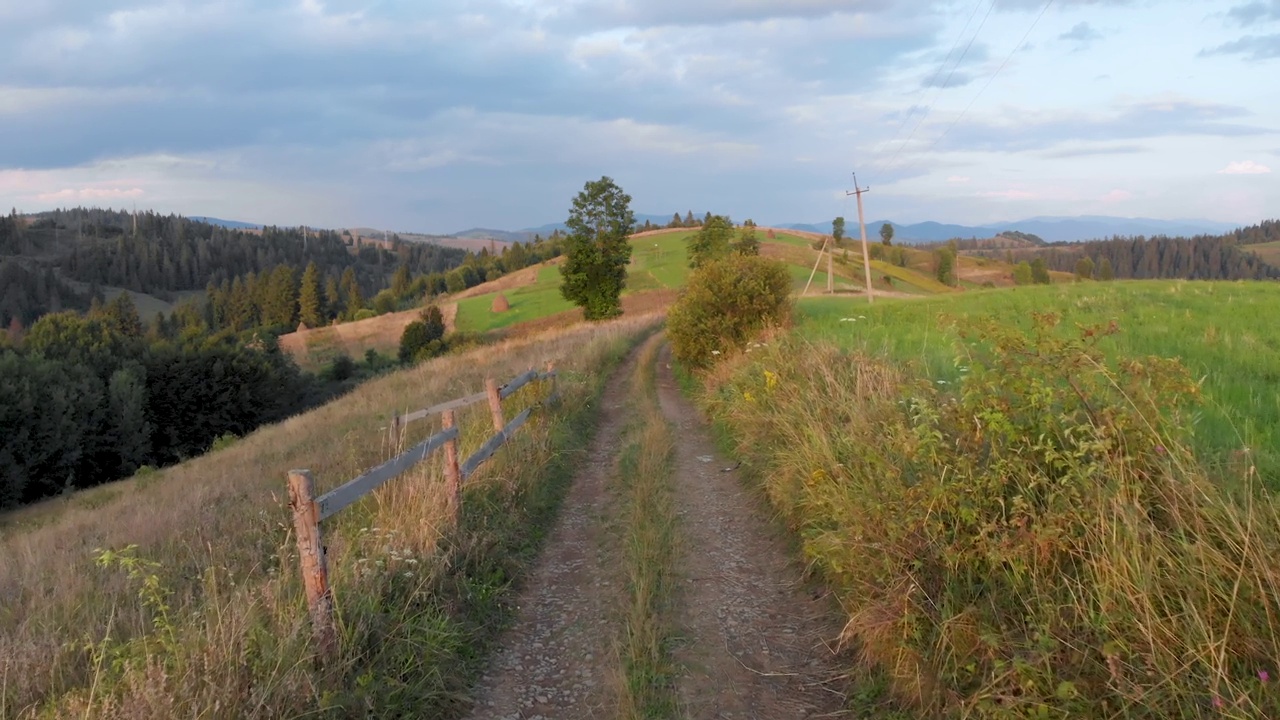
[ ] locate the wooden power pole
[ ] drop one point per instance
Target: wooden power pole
(862, 225)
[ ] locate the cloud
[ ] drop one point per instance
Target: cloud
(958, 179)
(1015, 130)
(1094, 150)
(1117, 196)
(1247, 167)
(1082, 35)
(89, 195)
(1253, 47)
(953, 80)
(1011, 194)
(1253, 12)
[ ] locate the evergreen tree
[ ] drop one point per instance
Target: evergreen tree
(837, 231)
(400, 282)
(597, 249)
(311, 298)
(280, 298)
(121, 315)
(354, 300)
(332, 299)
(689, 221)
(886, 234)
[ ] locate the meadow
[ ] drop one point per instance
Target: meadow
(659, 261)
(1223, 332)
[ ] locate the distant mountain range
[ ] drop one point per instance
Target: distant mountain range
(232, 224)
(1051, 229)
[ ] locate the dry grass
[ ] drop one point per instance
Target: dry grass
(222, 630)
(313, 347)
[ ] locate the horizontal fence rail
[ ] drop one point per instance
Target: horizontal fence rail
(340, 497)
(309, 511)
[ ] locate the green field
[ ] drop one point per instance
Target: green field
(530, 302)
(1224, 332)
(658, 262)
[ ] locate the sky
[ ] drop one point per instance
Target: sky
(436, 116)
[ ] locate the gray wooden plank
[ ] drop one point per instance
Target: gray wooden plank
(338, 498)
(492, 444)
(450, 405)
(510, 388)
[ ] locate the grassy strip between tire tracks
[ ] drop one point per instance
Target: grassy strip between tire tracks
(650, 537)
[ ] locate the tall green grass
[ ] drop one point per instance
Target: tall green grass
(1223, 332)
(1031, 536)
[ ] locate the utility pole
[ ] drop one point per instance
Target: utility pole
(862, 225)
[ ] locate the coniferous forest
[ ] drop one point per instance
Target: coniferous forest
(90, 391)
(1203, 257)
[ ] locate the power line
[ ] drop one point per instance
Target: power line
(990, 80)
(934, 79)
(889, 165)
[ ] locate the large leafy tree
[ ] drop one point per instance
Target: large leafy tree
(837, 230)
(597, 249)
(886, 234)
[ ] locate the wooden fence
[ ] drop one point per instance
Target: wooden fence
(309, 511)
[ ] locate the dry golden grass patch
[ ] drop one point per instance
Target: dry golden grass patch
(202, 613)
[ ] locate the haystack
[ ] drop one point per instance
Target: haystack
(500, 304)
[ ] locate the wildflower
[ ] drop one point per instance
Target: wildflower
(1217, 702)
(715, 352)
(1159, 449)
(1263, 676)
(942, 382)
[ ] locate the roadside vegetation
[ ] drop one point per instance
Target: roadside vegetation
(177, 594)
(1011, 499)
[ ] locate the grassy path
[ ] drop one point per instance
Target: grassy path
(663, 592)
(554, 661)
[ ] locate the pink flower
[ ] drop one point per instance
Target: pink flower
(1217, 702)
(1263, 675)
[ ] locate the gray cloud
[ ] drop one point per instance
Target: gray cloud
(1252, 47)
(657, 13)
(1256, 11)
(1083, 35)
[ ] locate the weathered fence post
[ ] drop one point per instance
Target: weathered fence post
(395, 432)
(452, 474)
(554, 396)
(495, 403)
(315, 574)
